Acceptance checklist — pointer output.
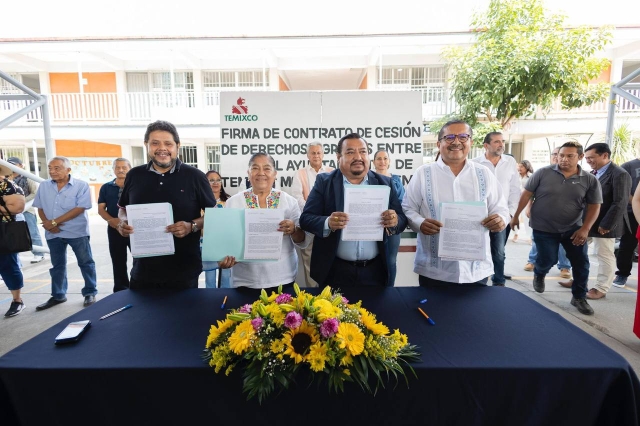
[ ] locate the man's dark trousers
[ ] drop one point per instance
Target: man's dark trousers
(548, 244)
(118, 250)
(628, 244)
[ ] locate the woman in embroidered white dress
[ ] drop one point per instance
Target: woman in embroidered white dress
(262, 175)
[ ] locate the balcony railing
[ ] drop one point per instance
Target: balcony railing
(185, 107)
(8, 108)
(84, 107)
(624, 106)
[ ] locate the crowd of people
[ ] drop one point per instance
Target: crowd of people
(565, 208)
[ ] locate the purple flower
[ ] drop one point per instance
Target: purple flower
(284, 298)
(345, 300)
(293, 320)
(257, 323)
(329, 327)
(245, 309)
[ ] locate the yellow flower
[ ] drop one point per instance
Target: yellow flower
(273, 309)
(240, 339)
(351, 338)
(229, 369)
(317, 364)
(326, 309)
(299, 341)
(369, 321)
(401, 338)
(215, 332)
(346, 371)
(317, 356)
(299, 301)
(326, 292)
(277, 346)
(220, 356)
(346, 360)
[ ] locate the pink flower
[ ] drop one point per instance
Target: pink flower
(257, 323)
(245, 309)
(293, 320)
(284, 298)
(329, 327)
(345, 300)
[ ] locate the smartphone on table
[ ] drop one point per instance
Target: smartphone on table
(72, 332)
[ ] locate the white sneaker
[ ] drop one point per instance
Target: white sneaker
(37, 259)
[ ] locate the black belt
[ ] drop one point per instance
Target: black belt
(359, 263)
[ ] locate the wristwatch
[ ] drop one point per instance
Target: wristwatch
(194, 227)
(54, 223)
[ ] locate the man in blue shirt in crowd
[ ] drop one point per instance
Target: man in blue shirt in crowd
(108, 210)
(62, 204)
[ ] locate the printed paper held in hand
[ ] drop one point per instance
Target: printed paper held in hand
(262, 240)
(364, 204)
(462, 237)
(150, 236)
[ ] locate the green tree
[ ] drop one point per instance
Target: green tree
(523, 58)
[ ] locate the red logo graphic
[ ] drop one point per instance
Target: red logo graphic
(241, 108)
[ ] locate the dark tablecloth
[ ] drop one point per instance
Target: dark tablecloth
(494, 357)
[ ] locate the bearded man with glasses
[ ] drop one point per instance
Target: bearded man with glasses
(504, 168)
(567, 204)
(452, 178)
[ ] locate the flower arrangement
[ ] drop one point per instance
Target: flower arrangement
(278, 335)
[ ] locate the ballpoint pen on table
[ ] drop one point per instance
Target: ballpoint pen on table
(432, 322)
(116, 311)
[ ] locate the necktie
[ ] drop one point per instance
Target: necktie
(594, 172)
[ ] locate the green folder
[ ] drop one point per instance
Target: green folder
(224, 235)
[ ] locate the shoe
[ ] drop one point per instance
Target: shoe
(565, 273)
(619, 281)
(515, 238)
(89, 300)
(14, 309)
(582, 306)
(566, 284)
(595, 294)
(50, 303)
(538, 283)
(37, 259)
(507, 277)
(528, 267)
(497, 284)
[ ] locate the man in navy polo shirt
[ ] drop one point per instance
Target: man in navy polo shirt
(108, 210)
(166, 179)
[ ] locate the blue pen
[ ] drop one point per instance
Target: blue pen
(429, 320)
(223, 302)
(116, 311)
(423, 301)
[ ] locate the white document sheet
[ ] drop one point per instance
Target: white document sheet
(150, 237)
(262, 240)
(462, 237)
(364, 204)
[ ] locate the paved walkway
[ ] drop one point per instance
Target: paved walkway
(612, 323)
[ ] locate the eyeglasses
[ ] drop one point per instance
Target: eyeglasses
(462, 137)
(215, 180)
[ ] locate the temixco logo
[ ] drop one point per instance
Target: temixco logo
(240, 112)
